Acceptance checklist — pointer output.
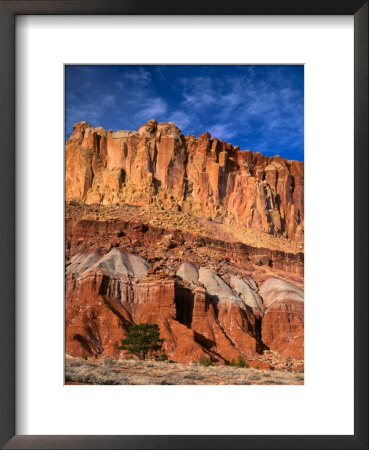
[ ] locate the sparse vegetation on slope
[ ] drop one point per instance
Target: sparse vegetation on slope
(136, 372)
(143, 340)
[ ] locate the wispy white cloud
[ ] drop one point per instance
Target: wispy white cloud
(138, 76)
(181, 119)
(263, 112)
(90, 112)
(198, 92)
(108, 100)
(222, 131)
(152, 108)
(258, 109)
(160, 73)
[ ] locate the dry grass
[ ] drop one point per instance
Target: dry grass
(109, 371)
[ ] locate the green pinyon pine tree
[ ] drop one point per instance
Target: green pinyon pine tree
(143, 340)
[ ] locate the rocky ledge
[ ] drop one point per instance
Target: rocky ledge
(205, 177)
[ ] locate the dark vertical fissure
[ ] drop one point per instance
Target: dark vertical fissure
(184, 300)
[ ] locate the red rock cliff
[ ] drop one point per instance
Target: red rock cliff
(198, 312)
(203, 176)
(201, 292)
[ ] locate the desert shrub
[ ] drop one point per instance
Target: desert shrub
(242, 363)
(75, 364)
(84, 356)
(194, 376)
(163, 356)
(255, 377)
(108, 361)
(143, 340)
(204, 361)
(233, 363)
(167, 382)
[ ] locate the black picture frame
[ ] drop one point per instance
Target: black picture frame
(8, 11)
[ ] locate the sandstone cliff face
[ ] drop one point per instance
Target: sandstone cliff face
(203, 176)
(106, 294)
(155, 233)
(283, 322)
(199, 313)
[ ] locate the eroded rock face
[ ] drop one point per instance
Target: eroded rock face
(245, 289)
(216, 287)
(282, 325)
(188, 272)
(210, 294)
(121, 263)
(83, 233)
(199, 313)
(206, 177)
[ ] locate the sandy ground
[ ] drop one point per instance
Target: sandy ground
(108, 371)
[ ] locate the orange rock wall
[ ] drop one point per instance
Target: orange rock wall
(100, 310)
(204, 176)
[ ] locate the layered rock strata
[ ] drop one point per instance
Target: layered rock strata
(203, 176)
(210, 294)
(153, 242)
(200, 312)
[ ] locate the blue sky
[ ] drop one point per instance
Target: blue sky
(259, 108)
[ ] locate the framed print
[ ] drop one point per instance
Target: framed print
(198, 234)
(172, 164)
